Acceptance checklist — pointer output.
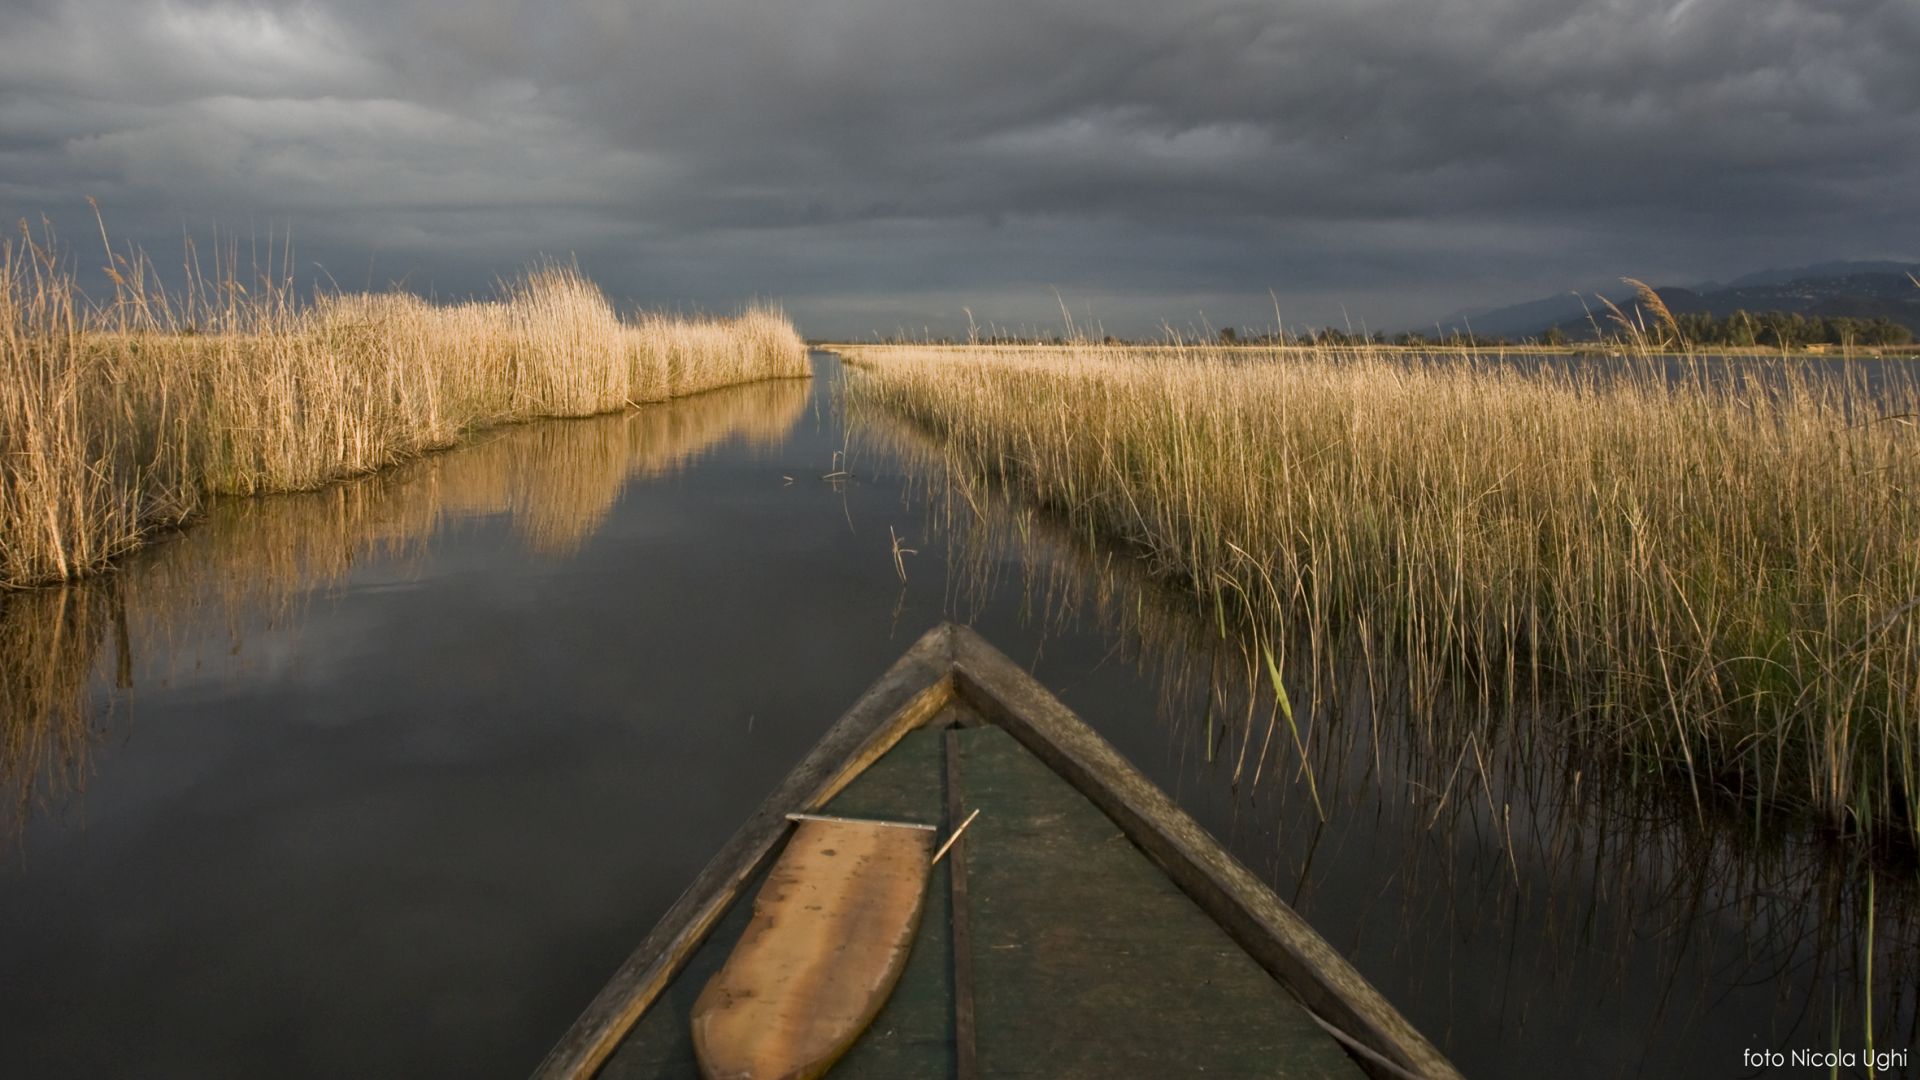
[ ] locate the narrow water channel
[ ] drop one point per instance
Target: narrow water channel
(384, 780)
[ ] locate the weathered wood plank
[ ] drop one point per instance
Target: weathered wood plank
(1090, 963)
(1271, 932)
(966, 1062)
(913, 1035)
(907, 695)
(831, 931)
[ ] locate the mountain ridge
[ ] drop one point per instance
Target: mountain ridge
(1865, 289)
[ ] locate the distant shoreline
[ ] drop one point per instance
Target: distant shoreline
(1815, 352)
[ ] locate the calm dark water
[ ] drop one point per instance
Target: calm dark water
(385, 780)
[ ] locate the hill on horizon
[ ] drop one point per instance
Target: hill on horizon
(1860, 289)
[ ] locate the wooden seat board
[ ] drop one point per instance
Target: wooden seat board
(913, 1034)
(830, 934)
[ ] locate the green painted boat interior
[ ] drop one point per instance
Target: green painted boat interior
(1087, 961)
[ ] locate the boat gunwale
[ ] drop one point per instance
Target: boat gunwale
(952, 661)
(902, 699)
(1251, 913)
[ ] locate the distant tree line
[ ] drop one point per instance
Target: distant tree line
(1769, 329)
(1331, 335)
(1786, 330)
(1776, 329)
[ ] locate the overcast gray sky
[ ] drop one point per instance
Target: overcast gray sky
(879, 164)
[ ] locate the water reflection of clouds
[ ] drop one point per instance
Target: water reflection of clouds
(243, 574)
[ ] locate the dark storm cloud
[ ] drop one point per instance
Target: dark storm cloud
(884, 163)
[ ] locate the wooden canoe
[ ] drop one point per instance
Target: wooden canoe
(1084, 926)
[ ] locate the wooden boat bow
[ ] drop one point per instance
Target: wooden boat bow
(1029, 962)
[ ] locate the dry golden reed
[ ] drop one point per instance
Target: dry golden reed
(120, 419)
(1714, 570)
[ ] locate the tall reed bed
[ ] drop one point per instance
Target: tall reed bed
(1489, 844)
(1713, 570)
(122, 418)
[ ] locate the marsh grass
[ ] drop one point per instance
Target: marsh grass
(121, 418)
(1599, 878)
(1710, 573)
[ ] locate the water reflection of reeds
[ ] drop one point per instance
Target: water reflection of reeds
(259, 559)
(1473, 819)
(49, 642)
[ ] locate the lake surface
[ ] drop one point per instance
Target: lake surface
(384, 780)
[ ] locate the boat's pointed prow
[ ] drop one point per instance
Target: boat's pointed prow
(830, 934)
(1086, 927)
